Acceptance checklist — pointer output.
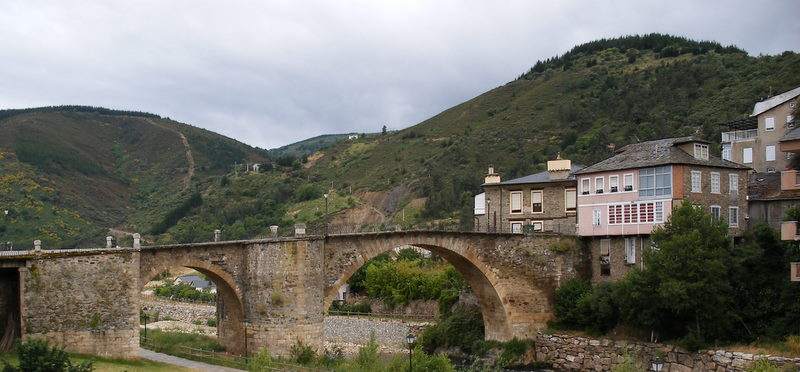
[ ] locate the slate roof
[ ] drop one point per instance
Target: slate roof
(656, 153)
(541, 177)
(750, 122)
(771, 102)
(793, 135)
(196, 281)
(767, 186)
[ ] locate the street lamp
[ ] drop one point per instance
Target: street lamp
(144, 311)
(410, 339)
(326, 214)
(656, 364)
(245, 324)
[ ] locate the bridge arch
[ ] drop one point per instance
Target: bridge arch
(513, 276)
(230, 307)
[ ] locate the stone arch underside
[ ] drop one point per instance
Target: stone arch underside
(482, 278)
(230, 309)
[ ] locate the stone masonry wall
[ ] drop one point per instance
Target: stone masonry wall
(181, 311)
(88, 303)
(571, 353)
(388, 332)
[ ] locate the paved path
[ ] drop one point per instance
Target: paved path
(164, 358)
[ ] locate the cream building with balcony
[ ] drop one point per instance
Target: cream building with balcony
(754, 141)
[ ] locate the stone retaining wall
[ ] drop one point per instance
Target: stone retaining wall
(197, 313)
(573, 353)
(388, 332)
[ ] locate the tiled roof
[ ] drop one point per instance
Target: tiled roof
(656, 153)
(540, 177)
(771, 102)
(767, 186)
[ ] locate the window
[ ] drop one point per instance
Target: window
(797, 178)
(715, 212)
(613, 183)
(655, 181)
(790, 121)
(596, 217)
(747, 155)
(516, 227)
(769, 123)
(700, 151)
(733, 183)
(714, 182)
(585, 186)
(537, 226)
(536, 201)
(628, 181)
(770, 153)
(598, 184)
(630, 250)
(696, 181)
(631, 213)
(733, 216)
(726, 151)
(516, 202)
(605, 247)
(571, 200)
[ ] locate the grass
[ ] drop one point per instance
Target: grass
(113, 365)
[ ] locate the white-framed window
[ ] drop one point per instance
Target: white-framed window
(733, 216)
(655, 181)
(516, 227)
(516, 201)
(769, 153)
(599, 184)
(747, 155)
(613, 183)
(658, 215)
(570, 200)
(630, 250)
(726, 151)
(715, 183)
(696, 181)
(733, 183)
(790, 121)
(585, 187)
(605, 247)
(596, 216)
(631, 213)
(627, 182)
(536, 201)
(701, 151)
(538, 226)
(716, 211)
(769, 123)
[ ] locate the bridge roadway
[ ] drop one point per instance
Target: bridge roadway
(271, 292)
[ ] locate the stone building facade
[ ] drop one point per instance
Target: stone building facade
(541, 202)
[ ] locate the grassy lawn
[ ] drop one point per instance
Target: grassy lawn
(113, 365)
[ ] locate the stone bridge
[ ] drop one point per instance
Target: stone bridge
(271, 292)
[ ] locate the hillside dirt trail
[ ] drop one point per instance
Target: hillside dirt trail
(189, 157)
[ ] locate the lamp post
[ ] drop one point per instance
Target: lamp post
(656, 364)
(246, 357)
(144, 311)
(410, 339)
(326, 214)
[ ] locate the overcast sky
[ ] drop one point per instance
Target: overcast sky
(270, 73)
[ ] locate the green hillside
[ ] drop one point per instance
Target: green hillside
(596, 97)
(69, 174)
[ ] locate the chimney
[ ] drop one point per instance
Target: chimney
(492, 177)
(559, 169)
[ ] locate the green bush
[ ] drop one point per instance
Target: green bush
(763, 365)
(572, 303)
(462, 329)
(38, 356)
(302, 353)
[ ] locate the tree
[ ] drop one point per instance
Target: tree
(383, 130)
(685, 290)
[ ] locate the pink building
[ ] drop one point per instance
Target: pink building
(623, 198)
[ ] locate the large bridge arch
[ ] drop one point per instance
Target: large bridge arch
(513, 276)
(230, 306)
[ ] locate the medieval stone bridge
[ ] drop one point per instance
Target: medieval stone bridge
(271, 292)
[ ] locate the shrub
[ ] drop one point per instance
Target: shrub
(763, 365)
(38, 356)
(463, 329)
(302, 353)
(572, 303)
(260, 361)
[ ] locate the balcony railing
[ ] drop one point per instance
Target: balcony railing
(738, 135)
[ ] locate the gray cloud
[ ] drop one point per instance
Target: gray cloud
(274, 72)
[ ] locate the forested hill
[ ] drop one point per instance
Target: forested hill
(582, 104)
